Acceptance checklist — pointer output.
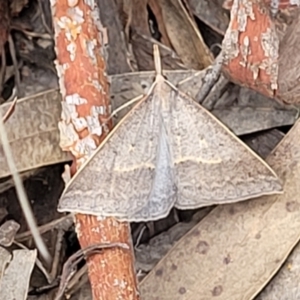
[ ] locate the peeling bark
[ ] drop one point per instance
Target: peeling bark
(251, 47)
(81, 41)
(261, 47)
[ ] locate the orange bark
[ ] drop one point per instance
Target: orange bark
(80, 46)
(259, 47)
(251, 47)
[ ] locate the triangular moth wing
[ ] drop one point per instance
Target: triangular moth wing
(212, 165)
(126, 178)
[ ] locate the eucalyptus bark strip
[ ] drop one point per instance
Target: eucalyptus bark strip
(80, 41)
(260, 47)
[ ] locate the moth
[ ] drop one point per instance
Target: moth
(168, 151)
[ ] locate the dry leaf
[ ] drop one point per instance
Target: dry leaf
(5, 257)
(33, 115)
(235, 250)
(264, 142)
(211, 13)
(14, 284)
(248, 119)
(139, 20)
(185, 36)
(285, 284)
(156, 9)
(117, 59)
(8, 231)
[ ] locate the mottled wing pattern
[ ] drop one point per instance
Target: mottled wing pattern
(212, 165)
(130, 176)
(167, 151)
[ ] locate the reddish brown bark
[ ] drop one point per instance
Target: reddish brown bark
(260, 47)
(249, 61)
(80, 45)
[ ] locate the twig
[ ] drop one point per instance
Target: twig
(10, 110)
(64, 222)
(32, 34)
(15, 62)
(23, 200)
(3, 68)
(49, 30)
(139, 237)
(210, 78)
(57, 252)
(70, 265)
(77, 281)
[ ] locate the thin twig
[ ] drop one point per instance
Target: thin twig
(128, 103)
(69, 268)
(23, 200)
(10, 110)
(139, 238)
(3, 68)
(210, 78)
(57, 252)
(49, 30)
(63, 222)
(32, 34)
(77, 281)
(15, 62)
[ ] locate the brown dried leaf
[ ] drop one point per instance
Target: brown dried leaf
(211, 13)
(156, 9)
(139, 20)
(236, 249)
(184, 35)
(124, 8)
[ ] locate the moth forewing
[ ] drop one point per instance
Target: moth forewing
(125, 177)
(211, 163)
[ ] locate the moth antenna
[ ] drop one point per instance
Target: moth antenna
(157, 60)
